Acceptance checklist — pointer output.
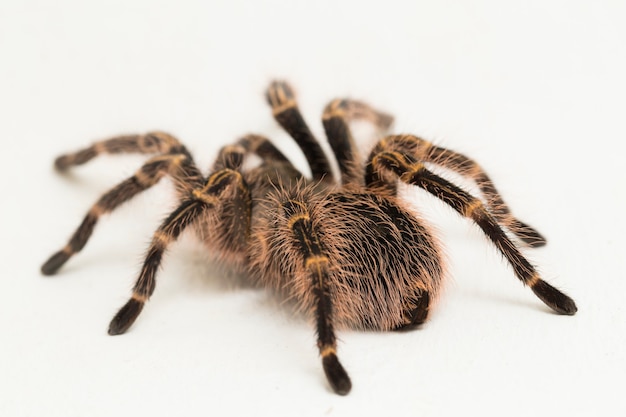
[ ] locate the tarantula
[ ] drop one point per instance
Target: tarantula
(350, 252)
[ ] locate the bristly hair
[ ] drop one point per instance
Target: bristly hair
(349, 253)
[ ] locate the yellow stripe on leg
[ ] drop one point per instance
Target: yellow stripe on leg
(327, 351)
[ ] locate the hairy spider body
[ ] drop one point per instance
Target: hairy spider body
(377, 258)
(350, 253)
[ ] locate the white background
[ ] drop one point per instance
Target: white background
(533, 90)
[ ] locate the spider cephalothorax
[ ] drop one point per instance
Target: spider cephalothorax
(349, 252)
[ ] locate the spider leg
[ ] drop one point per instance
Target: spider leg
(315, 263)
(281, 98)
(470, 169)
(416, 316)
(412, 171)
(337, 115)
(425, 151)
(262, 147)
(184, 173)
(153, 142)
(232, 156)
(199, 201)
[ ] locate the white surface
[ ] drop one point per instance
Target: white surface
(533, 90)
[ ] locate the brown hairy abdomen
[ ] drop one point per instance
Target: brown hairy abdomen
(381, 258)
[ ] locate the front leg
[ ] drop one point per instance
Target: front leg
(179, 166)
(198, 203)
(315, 263)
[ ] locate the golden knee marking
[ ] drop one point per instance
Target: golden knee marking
(326, 351)
(281, 107)
(100, 148)
(533, 280)
(177, 160)
(174, 160)
(336, 108)
(296, 218)
(144, 179)
(205, 198)
(473, 207)
(96, 210)
(220, 176)
(411, 170)
(67, 249)
(161, 239)
(139, 297)
(171, 159)
(316, 260)
(217, 177)
(174, 166)
(335, 113)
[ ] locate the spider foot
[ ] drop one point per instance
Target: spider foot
(55, 262)
(280, 95)
(63, 162)
(529, 235)
(66, 161)
(125, 317)
(355, 110)
(554, 298)
(335, 373)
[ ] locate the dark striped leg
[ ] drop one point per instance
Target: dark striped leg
(199, 202)
(470, 169)
(315, 263)
(178, 166)
(337, 115)
(425, 151)
(232, 155)
(281, 97)
(262, 147)
(411, 171)
(153, 142)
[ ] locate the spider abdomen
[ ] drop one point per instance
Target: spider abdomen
(379, 258)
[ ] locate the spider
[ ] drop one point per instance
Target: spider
(349, 251)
